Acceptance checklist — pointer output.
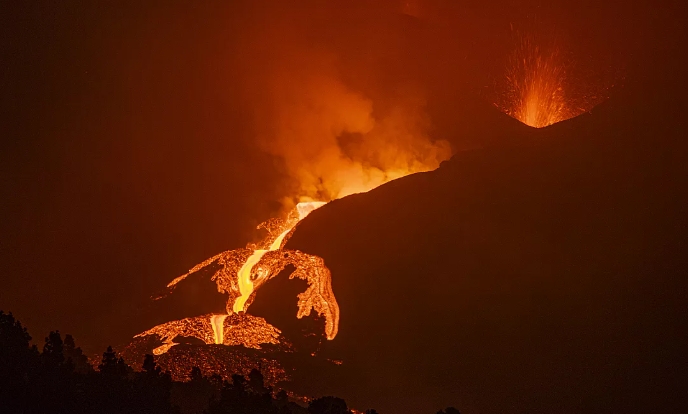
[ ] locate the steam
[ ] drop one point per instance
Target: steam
(332, 144)
(329, 138)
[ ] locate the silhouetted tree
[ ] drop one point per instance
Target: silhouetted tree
(195, 374)
(195, 395)
(328, 405)
(113, 367)
(281, 398)
(152, 388)
(449, 410)
(53, 350)
(16, 354)
(60, 380)
(109, 361)
(76, 356)
(55, 386)
(17, 361)
(256, 382)
(150, 367)
(242, 397)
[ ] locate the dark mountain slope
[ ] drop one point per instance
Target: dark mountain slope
(548, 276)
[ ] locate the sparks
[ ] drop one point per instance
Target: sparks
(536, 81)
(538, 87)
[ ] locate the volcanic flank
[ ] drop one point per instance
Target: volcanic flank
(543, 277)
(528, 275)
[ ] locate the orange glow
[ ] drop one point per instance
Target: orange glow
(331, 145)
(217, 323)
(241, 273)
(245, 276)
(246, 330)
(244, 280)
(330, 140)
(536, 85)
(333, 140)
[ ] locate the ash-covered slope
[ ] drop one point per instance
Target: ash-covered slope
(543, 277)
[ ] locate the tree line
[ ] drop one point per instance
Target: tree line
(60, 379)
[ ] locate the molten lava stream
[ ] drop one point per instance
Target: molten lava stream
(244, 279)
(242, 271)
(218, 324)
(244, 275)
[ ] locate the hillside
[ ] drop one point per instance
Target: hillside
(544, 276)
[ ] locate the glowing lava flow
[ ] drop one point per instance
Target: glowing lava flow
(217, 322)
(244, 274)
(249, 331)
(241, 272)
(245, 282)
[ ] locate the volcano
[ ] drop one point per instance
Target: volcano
(548, 275)
(544, 272)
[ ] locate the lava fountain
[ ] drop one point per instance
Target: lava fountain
(537, 90)
(537, 78)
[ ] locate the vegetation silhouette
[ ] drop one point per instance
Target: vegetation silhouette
(60, 379)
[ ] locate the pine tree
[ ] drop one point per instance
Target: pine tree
(53, 350)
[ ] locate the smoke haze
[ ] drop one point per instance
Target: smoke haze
(330, 139)
(140, 139)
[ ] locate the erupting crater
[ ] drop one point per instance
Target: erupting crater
(536, 82)
(538, 90)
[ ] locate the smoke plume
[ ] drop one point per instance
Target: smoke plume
(330, 138)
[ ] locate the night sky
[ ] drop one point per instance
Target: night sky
(131, 134)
